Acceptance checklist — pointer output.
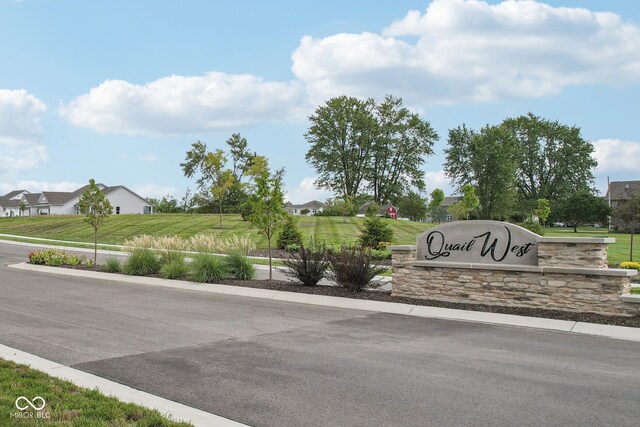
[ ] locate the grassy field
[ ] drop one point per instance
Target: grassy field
(67, 404)
(118, 228)
(332, 230)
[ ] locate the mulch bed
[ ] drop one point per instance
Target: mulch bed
(335, 291)
(282, 254)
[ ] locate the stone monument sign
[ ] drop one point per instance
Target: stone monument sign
(479, 242)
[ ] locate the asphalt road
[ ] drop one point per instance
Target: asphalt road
(269, 363)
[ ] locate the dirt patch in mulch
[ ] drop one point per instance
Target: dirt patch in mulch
(376, 295)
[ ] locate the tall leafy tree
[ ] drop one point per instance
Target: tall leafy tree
(486, 160)
(413, 206)
(96, 208)
(580, 208)
(358, 145)
(554, 160)
(267, 204)
(543, 210)
(341, 136)
(401, 142)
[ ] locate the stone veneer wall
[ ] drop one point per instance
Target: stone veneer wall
(566, 254)
(548, 285)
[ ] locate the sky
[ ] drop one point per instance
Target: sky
(118, 90)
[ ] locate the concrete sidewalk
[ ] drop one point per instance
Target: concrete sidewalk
(610, 331)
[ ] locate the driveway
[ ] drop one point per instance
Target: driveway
(270, 363)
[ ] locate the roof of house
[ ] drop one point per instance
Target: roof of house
(32, 198)
(314, 204)
(6, 202)
(451, 200)
(623, 190)
(58, 197)
(14, 193)
(383, 208)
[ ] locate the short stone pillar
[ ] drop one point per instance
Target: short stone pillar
(496, 263)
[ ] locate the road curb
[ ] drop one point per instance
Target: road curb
(178, 411)
(609, 331)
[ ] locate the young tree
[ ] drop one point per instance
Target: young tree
(435, 204)
(554, 161)
(96, 208)
(413, 206)
(627, 218)
(22, 208)
(267, 211)
(222, 179)
(582, 207)
(543, 210)
(469, 199)
(487, 160)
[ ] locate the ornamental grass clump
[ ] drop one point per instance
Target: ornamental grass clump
(308, 264)
(205, 243)
(112, 265)
(237, 244)
(207, 268)
(352, 267)
(142, 262)
(170, 248)
(239, 266)
(177, 268)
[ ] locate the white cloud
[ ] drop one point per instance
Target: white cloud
(438, 179)
(616, 155)
(149, 157)
(155, 190)
(178, 105)
(472, 51)
(38, 186)
(306, 192)
(20, 132)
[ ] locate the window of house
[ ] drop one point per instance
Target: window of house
(146, 210)
(313, 210)
(117, 210)
(295, 211)
(449, 217)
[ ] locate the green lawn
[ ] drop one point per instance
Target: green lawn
(66, 404)
(117, 228)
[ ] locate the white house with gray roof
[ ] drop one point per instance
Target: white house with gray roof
(311, 207)
(123, 200)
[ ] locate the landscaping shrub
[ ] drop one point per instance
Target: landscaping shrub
(375, 231)
(305, 211)
(112, 265)
(630, 265)
(56, 257)
(207, 268)
(205, 243)
(293, 247)
(289, 234)
(170, 248)
(533, 226)
(379, 254)
(351, 267)
(308, 265)
(175, 269)
(141, 262)
(239, 266)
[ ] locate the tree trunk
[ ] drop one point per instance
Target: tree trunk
(269, 243)
(575, 228)
(631, 250)
(220, 213)
(95, 248)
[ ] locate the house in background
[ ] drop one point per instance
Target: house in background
(444, 214)
(621, 191)
(313, 207)
(387, 210)
(123, 201)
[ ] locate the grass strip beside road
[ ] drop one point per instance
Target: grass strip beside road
(67, 404)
